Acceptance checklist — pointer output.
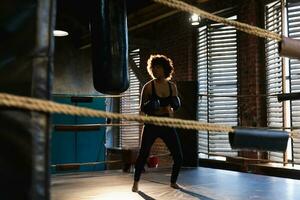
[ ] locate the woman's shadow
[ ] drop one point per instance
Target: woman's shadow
(199, 196)
(145, 196)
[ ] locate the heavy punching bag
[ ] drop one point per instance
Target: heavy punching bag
(109, 46)
(26, 52)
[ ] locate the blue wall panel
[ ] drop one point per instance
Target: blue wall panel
(90, 149)
(78, 146)
(63, 147)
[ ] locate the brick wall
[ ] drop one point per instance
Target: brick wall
(172, 37)
(251, 71)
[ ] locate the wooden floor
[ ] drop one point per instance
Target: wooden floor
(197, 183)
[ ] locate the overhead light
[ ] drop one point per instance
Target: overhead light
(60, 33)
(195, 20)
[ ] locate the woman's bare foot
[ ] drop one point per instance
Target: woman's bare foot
(135, 187)
(175, 186)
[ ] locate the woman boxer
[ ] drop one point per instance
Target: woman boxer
(159, 97)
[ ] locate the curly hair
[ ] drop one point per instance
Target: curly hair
(163, 61)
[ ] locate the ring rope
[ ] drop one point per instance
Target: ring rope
(248, 159)
(239, 95)
(86, 163)
(96, 96)
(28, 103)
(253, 30)
(33, 104)
(95, 125)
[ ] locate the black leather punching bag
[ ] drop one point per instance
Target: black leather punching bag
(26, 52)
(109, 46)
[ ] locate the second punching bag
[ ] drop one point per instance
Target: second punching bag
(109, 46)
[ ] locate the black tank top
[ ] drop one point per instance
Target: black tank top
(164, 101)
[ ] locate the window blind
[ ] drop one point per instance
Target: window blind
(130, 133)
(293, 20)
(273, 22)
(217, 79)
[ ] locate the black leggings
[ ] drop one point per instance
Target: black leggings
(170, 138)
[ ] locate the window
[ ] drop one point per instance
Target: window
(130, 131)
(217, 80)
(283, 73)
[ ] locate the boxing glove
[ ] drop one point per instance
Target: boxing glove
(150, 106)
(175, 102)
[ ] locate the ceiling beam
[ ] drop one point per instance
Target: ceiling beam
(150, 21)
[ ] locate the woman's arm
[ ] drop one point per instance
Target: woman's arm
(175, 100)
(174, 90)
(145, 96)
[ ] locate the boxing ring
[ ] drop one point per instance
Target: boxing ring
(30, 117)
(197, 183)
